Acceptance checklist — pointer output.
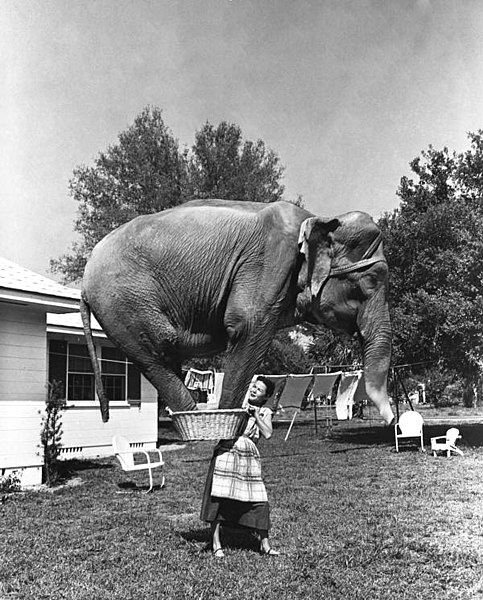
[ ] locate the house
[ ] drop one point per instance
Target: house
(42, 339)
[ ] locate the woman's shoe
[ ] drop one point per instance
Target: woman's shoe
(269, 552)
(218, 553)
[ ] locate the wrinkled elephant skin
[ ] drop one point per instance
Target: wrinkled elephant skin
(207, 275)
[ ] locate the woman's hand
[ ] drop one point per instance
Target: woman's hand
(264, 424)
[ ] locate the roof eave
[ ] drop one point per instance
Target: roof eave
(73, 331)
(54, 304)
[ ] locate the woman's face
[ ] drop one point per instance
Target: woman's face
(258, 394)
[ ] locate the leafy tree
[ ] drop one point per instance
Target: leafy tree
(434, 247)
(333, 349)
(224, 166)
(145, 172)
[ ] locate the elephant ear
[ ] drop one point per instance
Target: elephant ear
(315, 242)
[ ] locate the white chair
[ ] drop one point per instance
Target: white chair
(446, 443)
(125, 455)
(410, 425)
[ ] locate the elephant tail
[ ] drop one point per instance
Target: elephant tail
(85, 312)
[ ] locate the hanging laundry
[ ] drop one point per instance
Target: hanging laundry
(214, 396)
(200, 380)
(345, 394)
(294, 391)
(323, 384)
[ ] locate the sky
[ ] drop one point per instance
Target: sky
(346, 92)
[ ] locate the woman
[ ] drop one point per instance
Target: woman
(234, 492)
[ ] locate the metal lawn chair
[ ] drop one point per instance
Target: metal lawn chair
(126, 457)
(410, 425)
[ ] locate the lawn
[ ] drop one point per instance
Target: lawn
(354, 520)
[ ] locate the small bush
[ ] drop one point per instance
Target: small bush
(10, 483)
(51, 432)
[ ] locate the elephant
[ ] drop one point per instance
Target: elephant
(209, 275)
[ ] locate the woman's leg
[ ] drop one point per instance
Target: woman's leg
(265, 547)
(215, 539)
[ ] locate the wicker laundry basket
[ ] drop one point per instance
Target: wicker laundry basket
(220, 424)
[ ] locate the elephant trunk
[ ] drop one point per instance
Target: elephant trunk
(375, 331)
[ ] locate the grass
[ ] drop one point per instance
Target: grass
(354, 520)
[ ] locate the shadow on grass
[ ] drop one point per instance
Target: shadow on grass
(127, 487)
(360, 434)
(471, 435)
(237, 538)
(68, 469)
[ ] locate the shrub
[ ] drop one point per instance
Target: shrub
(10, 483)
(51, 432)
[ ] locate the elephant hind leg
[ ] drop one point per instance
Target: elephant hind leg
(149, 341)
(171, 390)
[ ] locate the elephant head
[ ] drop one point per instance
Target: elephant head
(343, 281)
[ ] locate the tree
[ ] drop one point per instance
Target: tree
(223, 166)
(434, 247)
(145, 172)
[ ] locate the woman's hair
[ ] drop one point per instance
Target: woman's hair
(268, 384)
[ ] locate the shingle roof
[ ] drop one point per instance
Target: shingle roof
(15, 277)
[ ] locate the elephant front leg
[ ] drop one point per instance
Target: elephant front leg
(248, 345)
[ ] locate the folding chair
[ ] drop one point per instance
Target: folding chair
(125, 455)
(446, 443)
(410, 425)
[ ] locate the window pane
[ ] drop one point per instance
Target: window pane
(81, 387)
(58, 362)
(113, 361)
(79, 360)
(133, 383)
(114, 387)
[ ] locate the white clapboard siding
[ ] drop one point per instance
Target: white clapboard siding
(148, 391)
(85, 435)
(23, 354)
(20, 448)
(23, 377)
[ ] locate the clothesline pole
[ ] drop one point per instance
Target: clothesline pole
(394, 379)
(291, 425)
(315, 415)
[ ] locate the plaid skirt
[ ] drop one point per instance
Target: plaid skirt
(234, 489)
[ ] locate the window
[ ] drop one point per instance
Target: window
(114, 370)
(80, 376)
(71, 365)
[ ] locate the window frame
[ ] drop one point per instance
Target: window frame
(93, 402)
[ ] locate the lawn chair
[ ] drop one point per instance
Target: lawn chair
(410, 425)
(446, 443)
(125, 455)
